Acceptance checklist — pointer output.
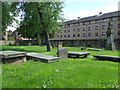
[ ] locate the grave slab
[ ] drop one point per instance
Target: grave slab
(78, 54)
(95, 49)
(41, 57)
(12, 57)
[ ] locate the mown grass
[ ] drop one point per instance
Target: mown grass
(71, 73)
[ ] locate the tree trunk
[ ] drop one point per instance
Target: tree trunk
(48, 42)
(39, 40)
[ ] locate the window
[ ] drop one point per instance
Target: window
(73, 35)
(73, 30)
(69, 30)
(69, 35)
(68, 26)
(89, 34)
(118, 32)
(83, 29)
(103, 27)
(58, 36)
(61, 32)
(73, 25)
(89, 22)
(64, 35)
(103, 20)
(96, 27)
(78, 29)
(65, 26)
(78, 35)
(103, 33)
(83, 34)
(111, 26)
(61, 35)
(118, 25)
(65, 31)
(89, 28)
(111, 19)
(118, 18)
(96, 21)
(78, 24)
(83, 23)
(96, 34)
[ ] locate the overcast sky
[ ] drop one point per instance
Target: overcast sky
(83, 8)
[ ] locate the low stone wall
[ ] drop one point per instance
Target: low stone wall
(3, 42)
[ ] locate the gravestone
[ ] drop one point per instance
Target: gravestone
(83, 48)
(62, 53)
(59, 45)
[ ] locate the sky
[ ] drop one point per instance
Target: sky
(84, 8)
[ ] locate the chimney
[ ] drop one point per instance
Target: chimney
(78, 17)
(100, 13)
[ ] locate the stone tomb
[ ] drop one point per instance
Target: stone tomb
(78, 54)
(95, 49)
(63, 53)
(107, 57)
(41, 57)
(12, 57)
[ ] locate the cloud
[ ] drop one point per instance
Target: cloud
(85, 13)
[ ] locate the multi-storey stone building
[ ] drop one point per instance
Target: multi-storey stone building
(89, 31)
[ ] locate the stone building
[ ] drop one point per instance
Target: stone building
(89, 31)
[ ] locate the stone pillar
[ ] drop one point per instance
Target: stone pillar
(63, 53)
(59, 45)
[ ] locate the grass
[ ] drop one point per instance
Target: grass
(71, 73)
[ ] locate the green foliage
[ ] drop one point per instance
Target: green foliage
(71, 73)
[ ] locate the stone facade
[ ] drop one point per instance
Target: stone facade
(89, 31)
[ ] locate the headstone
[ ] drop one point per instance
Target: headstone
(83, 48)
(59, 45)
(63, 53)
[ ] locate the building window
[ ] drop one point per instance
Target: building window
(65, 26)
(78, 24)
(78, 29)
(73, 35)
(83, 34)
(64, 35)
(78, 35)
(73, 30)
(96, 28)
(69, 30)
(118, 32)
(58, 36)
(61, 32)
(89, 28)
(68, 25)
(103, 33)
(103, 27)
(69, 35)
(61, 35)
(96, 21)
(118, 18)
(111, 19)
(103, 20)
(65, 31)
(89, 34)
(83, 29)
(73, 25)
(111, 26)
(83, 23)
(89, 22)
(96, 34)
(118, 25)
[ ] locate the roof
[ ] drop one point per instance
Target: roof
(95, 17)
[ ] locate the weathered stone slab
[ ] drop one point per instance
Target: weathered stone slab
(78, 54)
(107, 57)
(12, 57)
(41, 57)
(63, 53)
(95, 49)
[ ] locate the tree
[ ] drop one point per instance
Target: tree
(40, 19)
(110, 38)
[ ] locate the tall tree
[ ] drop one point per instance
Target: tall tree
(40, 19)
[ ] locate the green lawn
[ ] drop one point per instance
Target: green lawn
(71, 73)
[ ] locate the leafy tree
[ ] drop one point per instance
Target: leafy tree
(40, 19)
